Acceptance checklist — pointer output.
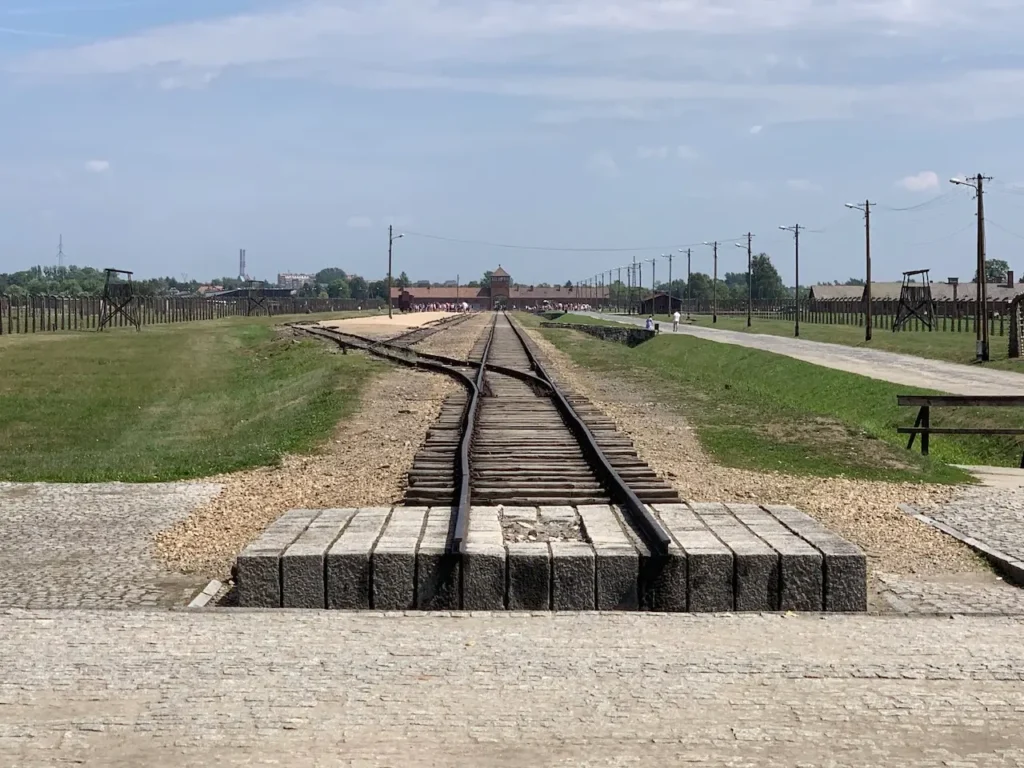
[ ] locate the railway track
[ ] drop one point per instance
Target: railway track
(513, 438)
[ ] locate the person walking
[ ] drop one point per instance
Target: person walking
(675, 321)
(650, 323)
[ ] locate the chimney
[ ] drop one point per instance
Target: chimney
(1009, 279)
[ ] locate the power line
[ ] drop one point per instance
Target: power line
(559, 249)
(1002, 228)
(947, 196)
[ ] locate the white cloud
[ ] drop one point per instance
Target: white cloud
(681, 152)
(684, 152)
(601, 163)
(652, 153)
(803, 185)
(756, 129)
(97, 166)
(599, 55)
(359, 222)
(920, 182)
(191, 80)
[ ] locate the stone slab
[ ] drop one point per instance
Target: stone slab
(437, 572)
(846, 568)
(394, 560)
(709, 563)
(483, 561)
(302, 564)
(755, 564)
(573, 576)
(348, 568)
(529, 576)
(801, 566)
(258, 567)
(617, 561)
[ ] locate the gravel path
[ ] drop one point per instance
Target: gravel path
(365, 464)
(866, 513)
(910, 370)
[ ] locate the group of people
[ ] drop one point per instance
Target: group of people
(649, 325)
(441, 306)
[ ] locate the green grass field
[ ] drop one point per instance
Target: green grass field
(171, 402)
(758, 410)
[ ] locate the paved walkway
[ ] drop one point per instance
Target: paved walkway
(912, 371)
(89, 546)
(317, 688)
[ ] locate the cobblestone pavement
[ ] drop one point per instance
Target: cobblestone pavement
(993, 516)
(961, 593)
(316, 688)
(913, 371)
(89, 545)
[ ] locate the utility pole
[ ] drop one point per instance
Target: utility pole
(391, 239)
(866, 210)
(981, 304)
(654, 282)
(714, 284)
(687, 282)
(639, 285)
(456, 289)
(669, 256)
(750, 275)
(618, 291)
(795, 229)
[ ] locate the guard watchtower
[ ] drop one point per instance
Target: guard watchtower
(118, 297)
(915, 300)
(501, 285)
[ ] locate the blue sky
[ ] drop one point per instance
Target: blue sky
(164, 135)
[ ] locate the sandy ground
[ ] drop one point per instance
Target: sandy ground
(864, 512)
(383, 325)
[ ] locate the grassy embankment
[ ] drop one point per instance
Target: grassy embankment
(757, 410)
(171, 402)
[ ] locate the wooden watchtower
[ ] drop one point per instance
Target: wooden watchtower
(915, 300)
(256, 298)
(118, 299)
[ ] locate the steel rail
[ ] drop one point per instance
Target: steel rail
(460, 523)
(654, 535)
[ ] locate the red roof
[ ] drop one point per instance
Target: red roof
(499, 272)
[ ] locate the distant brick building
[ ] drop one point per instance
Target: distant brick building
(502, 292)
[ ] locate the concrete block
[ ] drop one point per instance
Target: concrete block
(522, 514)
(557, 514)
(483, 561)
(303, 582)
(348, 560)
(394, 560)
(755, 564)
(529, 576)
(616, 560)
(437, 572)
(846, 567)
(801, 566)
(709, 563)
(661, 579)
(573, 576)
(258, 567)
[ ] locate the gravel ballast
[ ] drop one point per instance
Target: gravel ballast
(365, 464)
(866, 513)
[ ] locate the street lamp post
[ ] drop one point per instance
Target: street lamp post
(977, 183)
(795, 229)
(391, 240)
(750, 276)
(714, 284)
(669, 256)
(866, 209)
(687, 282)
